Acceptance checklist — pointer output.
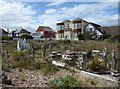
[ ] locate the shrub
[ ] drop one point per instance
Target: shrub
(67, 41)
(20, 59)
(7, 38)
(36, 64)
(49, 69)
(115, 38)
(96, 65)
(5, 67)
(82, 36)
(64, 82)
(22, 64)
(16, 56)
(26, 37)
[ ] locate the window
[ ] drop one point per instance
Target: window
(75, 35)
(78, 25)
(75, 25)
(62, 27)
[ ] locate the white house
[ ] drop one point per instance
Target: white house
(94, 31)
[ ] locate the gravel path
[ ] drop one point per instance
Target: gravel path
(27, 78)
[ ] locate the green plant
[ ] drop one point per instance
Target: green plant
(5, 67)
(26, 37)
(36, 64)
(67, 41)
(93, 82)
(96, 64)
(64, 82)
(49, 69)
(20, 59)
(7, 38)
(115, 38)
(82, 36)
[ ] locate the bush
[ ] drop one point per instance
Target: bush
(36, 64)
(22, 64)
(16, 56)
(7, 38)
(82, 36)
(115, 38)
(96, 65)
(64, 82)
(49, 69)
(67, 41)
(26, 37)
(5, 67)
(20, 59)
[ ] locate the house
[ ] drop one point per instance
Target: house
(37, 36)
(94, 31)
(3, 32)
(45, 32)
(68, 30)
(17, 33)
(111, 30)
(24, 32)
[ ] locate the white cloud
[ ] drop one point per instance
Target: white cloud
(97, 13)
(57, 2)
(50, 11)
(16, 15)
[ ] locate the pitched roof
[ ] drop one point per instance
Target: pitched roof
(77, 19)
(66, 21)
(24, 31)
(98, 27)
(44, 28)
(3, 31)
(95, 25)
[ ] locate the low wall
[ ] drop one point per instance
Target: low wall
(103, 80)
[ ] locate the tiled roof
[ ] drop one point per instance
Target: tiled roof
(44, 28)
(66, 21)
(77, 19)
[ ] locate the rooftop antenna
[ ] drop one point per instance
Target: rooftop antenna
(21, 27)
(8, 30)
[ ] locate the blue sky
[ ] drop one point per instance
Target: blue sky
(30, 15)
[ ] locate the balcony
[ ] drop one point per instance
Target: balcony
(60, 31)
(76, 30)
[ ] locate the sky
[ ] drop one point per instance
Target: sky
(32, 14)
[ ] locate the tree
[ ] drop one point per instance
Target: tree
(26, 37)
(81, 36)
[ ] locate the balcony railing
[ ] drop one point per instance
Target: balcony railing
(60, 31)
(77, 30)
